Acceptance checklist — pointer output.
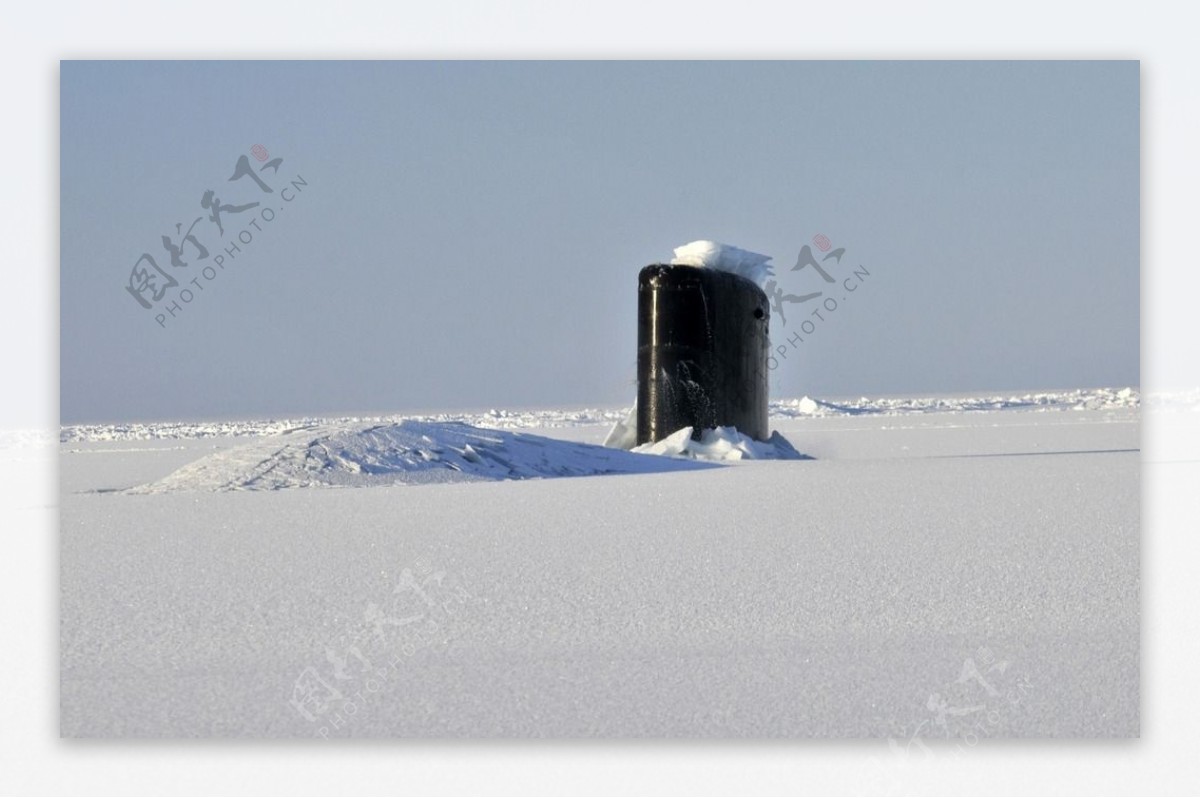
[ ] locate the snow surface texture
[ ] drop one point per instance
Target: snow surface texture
(713, 255)
(944, 570)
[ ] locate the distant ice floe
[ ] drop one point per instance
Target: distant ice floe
(175, 430)
(805, 407)
(726, 258)
(1083, 399)
(407, 453)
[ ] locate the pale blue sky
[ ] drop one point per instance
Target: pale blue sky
(471, 232)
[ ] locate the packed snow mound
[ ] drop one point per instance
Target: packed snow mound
(722, 443)
(726, 258)
(411, 452)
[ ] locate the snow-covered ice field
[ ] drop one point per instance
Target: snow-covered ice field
(944, 567)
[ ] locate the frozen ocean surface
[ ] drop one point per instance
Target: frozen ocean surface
(946, 566)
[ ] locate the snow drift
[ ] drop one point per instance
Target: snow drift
(410, 452)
